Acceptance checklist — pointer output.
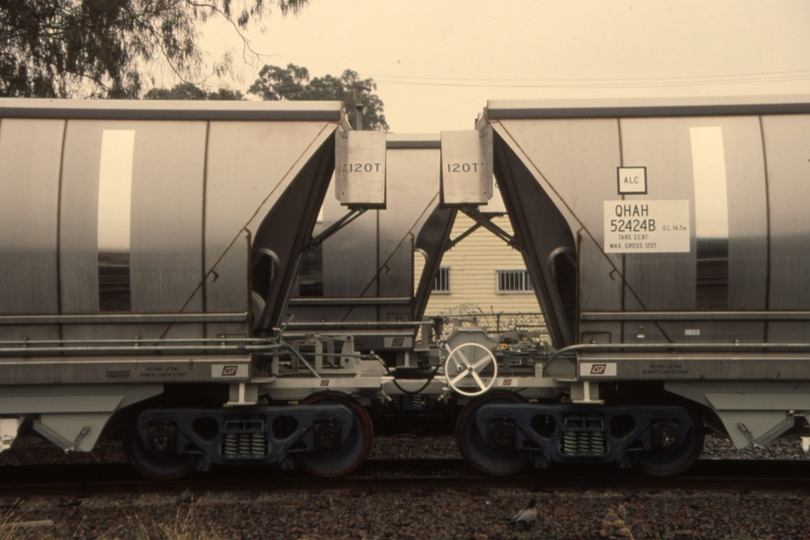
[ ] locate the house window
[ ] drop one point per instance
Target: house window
(513, 282)
(442, 282)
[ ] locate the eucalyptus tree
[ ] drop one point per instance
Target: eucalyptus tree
(98, 48)
(293, 83)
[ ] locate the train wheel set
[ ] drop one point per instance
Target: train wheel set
(164, 271)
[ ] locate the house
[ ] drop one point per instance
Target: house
(481, 273)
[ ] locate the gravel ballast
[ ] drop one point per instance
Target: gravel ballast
(438, 515)
(421, 514)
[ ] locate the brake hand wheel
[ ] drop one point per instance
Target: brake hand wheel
(469, 360)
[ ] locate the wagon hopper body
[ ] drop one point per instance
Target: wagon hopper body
(148, 251)
(668, 244)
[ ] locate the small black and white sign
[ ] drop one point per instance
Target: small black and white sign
(397, 342)
(645, 226)
(632, 180)
(602, 369)
(229, 371)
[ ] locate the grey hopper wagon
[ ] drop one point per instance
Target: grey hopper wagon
(668, 242)
(148, 250)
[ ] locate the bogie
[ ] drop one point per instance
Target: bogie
(500, 434)
(329, 433)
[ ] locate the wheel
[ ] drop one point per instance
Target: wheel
(155, 464)
(478, 450)
(469, 360)
(668, 457)
(346, 457)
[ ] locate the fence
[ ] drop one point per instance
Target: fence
(496, 323)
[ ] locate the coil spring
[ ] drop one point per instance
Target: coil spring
(409, 402)
(570, 442)
(244, 445)
(257, 446)
(597, 443)
(584, 443)
(231, 447)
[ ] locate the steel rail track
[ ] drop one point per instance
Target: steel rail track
(427, 475)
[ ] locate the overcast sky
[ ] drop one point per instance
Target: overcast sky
(437, 62)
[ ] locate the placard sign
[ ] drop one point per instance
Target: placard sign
(360, 168)
(466, 165)
(646, 226)
(632, 180)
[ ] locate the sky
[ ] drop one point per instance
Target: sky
(436, 63)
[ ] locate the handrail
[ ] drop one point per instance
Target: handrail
(666, 347)
(122, 318)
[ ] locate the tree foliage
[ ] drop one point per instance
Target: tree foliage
(60, 48)
(293, 83)
(190, 91)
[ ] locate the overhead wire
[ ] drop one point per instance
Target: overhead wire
(624, 82)
(544, 79)
(593, 82)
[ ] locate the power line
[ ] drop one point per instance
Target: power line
(594, 79)
(632, 82)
